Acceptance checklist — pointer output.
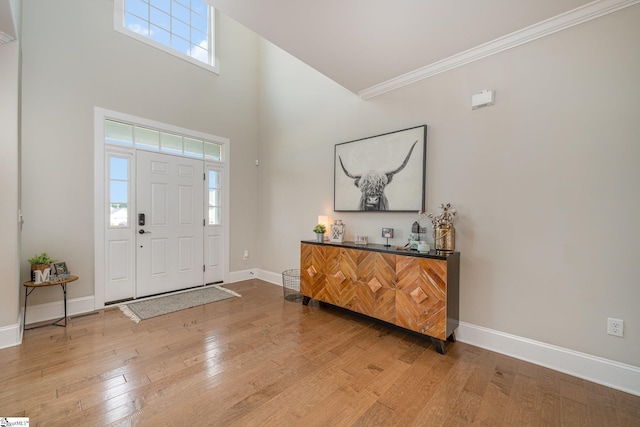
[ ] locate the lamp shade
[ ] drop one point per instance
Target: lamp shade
(324, 219)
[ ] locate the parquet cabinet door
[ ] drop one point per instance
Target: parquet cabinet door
(312, 271)
(340, 267)
(421, 297)
(376, 285)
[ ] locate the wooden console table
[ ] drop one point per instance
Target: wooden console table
(417, 291)
(29, 287)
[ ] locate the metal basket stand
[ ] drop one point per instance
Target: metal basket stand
(291, 285)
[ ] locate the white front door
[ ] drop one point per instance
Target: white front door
(170, 222)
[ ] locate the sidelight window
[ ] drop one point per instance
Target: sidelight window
(215, 199)
(119, 191)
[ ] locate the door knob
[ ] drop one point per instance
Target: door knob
(141, 231)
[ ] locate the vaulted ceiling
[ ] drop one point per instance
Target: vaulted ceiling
(364, 43)
(371, 46)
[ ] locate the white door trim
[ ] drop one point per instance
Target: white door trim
(100, 114)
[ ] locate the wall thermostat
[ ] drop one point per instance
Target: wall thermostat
(483, 99)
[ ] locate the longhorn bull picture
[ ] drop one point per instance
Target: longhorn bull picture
(372, 184)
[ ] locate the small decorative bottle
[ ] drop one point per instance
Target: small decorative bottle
(336, 233)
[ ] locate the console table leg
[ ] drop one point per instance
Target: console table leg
(305, 300)
(64, 290)
(452, 337)
(440, 346)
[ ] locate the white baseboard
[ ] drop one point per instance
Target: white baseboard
(55, 310)
(239, 276)
(267, 276)
(596, 369)
(11, 335)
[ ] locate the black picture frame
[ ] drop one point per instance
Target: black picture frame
(59, 268)
(382, 173)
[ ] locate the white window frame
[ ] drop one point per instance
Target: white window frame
(118, 25)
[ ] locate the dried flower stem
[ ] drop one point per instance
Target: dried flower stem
(446, 217)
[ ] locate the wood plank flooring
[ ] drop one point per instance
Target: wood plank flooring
(262, 361)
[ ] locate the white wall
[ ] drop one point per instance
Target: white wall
(9, 247)
(545, 182)
(73, 61)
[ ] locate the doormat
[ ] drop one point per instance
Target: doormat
(154, 307)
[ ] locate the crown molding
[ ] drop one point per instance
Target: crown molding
(544, 28)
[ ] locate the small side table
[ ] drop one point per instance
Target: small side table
(29, 287)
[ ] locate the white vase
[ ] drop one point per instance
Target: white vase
(336, 232)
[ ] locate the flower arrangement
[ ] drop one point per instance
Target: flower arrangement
(320, 229)
(40, 262)
(445, 218)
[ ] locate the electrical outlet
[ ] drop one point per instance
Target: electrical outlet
(615, 327)
(245, 254)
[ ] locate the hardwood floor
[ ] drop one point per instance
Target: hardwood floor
(262, 361)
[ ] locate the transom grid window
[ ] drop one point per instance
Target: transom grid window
(182, 27)
(156, 140)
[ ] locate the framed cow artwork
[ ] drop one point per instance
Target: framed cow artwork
(383, 173)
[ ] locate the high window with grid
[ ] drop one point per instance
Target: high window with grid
(184, 28)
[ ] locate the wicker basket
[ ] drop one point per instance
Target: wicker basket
(40, 267)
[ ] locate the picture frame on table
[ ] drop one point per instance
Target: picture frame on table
(59, 268)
